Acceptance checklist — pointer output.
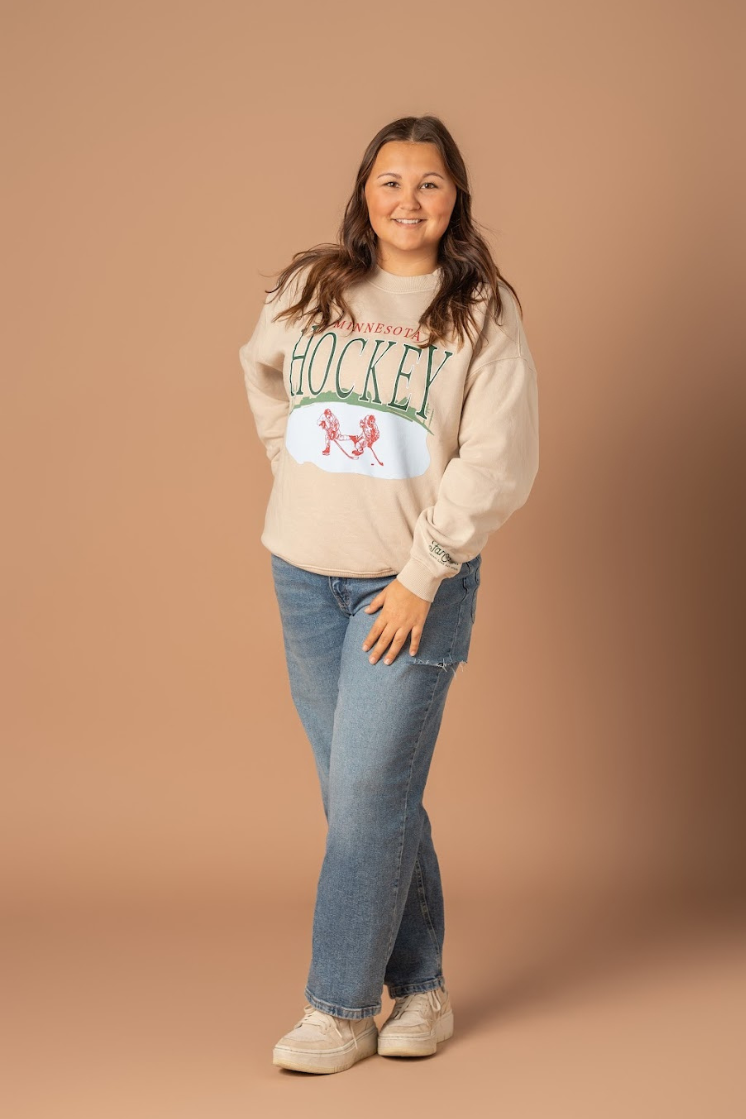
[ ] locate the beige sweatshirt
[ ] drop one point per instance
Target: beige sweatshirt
(388, 459)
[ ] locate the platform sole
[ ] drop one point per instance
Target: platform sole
(329, 1060)
(391, 1045)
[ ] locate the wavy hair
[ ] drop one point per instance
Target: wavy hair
(469, 273)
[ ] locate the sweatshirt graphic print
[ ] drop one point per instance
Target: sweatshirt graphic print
(390, 457)
(352, 414)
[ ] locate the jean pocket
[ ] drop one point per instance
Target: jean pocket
(446, 635)
(470, 576)
(475, 592)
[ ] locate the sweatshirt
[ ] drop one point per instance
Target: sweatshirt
(388, 459)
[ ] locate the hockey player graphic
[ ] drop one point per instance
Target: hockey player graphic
(330, 424)
(369, 433)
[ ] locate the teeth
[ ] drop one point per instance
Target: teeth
(408, 221)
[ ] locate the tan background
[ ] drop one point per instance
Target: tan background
(161, 825)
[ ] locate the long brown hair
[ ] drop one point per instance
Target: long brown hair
(469, 274)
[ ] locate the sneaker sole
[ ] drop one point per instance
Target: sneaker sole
(334, 1060)
(389, 1045)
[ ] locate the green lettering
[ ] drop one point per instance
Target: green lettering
(333, 336)
(301, 358)
(372, 372)
(429, 379)
(340, 393)
(400, 373)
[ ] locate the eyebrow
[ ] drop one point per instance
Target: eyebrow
(393, 174)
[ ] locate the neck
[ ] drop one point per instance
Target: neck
(406, 265)
(393, 281)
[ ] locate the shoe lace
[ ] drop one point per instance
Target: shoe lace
(411, 1002)
(314, 1017)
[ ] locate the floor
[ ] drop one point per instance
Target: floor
(563, 1006)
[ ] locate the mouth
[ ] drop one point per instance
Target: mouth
(408, 221)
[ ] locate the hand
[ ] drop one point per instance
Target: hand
(402, 611)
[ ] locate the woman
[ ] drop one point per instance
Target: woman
(394, 391)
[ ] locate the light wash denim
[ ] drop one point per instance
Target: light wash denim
(378, 916)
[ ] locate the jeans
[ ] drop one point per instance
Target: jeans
(378, 915)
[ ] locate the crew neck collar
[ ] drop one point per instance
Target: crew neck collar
(390, 281)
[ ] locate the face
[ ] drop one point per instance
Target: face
(410, 198)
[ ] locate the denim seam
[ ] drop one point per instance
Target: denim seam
(426, 911)
(339, 598)
(341, 1011)
(392, 932)
(457, 631)
(401, 989)
(447, 660)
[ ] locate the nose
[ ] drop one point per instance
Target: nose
(409, 200)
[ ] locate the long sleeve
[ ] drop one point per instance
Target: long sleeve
(490, 477)
(262, 361)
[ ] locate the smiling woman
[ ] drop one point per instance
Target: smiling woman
(393, 388)
(410, 198)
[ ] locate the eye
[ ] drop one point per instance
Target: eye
(392, 182)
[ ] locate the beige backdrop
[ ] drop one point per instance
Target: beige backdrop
(162, 162)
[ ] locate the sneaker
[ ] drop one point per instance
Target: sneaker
(416, 1024)
(321, 1042)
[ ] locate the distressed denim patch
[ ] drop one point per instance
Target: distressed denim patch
(446, 635)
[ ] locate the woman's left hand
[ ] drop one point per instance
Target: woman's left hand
(402, 612)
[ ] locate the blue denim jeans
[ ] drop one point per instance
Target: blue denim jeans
(378, 915)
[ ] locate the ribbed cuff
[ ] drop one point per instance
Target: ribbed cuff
(420, 580)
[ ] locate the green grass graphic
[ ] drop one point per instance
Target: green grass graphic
(327, 397)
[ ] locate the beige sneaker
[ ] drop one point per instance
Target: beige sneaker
(416, 1024)
(321, 1042)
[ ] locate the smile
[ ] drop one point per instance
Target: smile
(408, 221)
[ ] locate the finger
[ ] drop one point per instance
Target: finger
(375, 603)
(383, 643)
(415, 642)
(373, 634)
(395, 648)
